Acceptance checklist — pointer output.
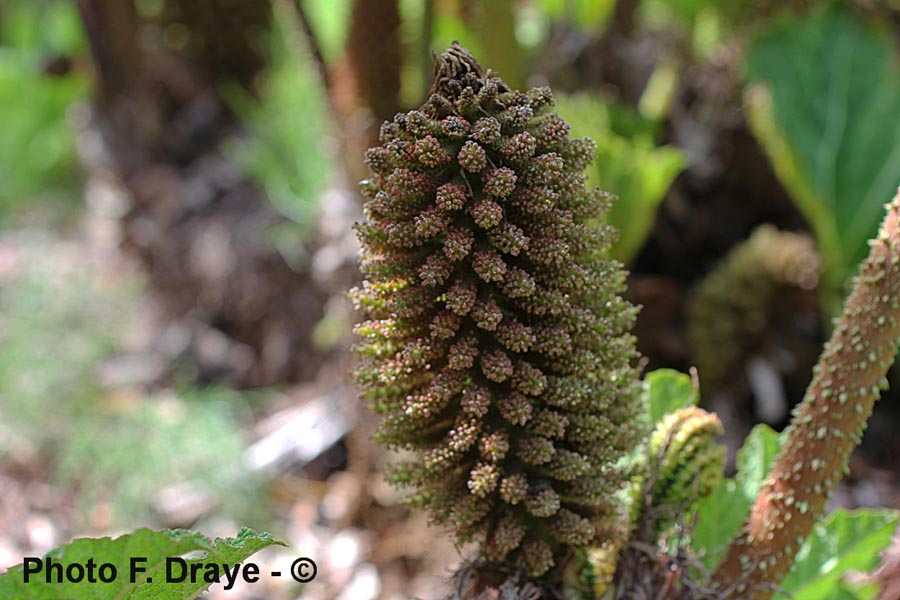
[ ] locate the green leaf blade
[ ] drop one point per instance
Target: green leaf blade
(755, 459)
(845, 541)
(668, 390)
(628, 163)
(721, 514)
(834, 136)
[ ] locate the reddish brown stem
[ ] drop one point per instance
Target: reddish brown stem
(111, 27)
(375, 55)
(827, 425)
(365, 83)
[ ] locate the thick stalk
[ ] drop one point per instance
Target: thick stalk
(365, 83)
(375, 55)
(827, 425)
(498, 38)
(111, 28)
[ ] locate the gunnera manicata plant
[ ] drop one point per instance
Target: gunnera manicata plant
(496, 344)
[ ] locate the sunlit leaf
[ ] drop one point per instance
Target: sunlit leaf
(721, 514)
(667, 391)
(755, 459)
(831, 125)
(844, 541)
(630, 166)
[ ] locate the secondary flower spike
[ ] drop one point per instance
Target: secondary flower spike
(496, 345)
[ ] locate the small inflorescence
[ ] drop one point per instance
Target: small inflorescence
(739, 305)
(686, 463)
(496, 344)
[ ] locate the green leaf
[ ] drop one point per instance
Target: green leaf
(668, 390)
(830, 125)
(721, 514)
(845, 541)
(155, 546)
(330, 24)
(755, 459)
(719, 518)
(37, 147)
(855, 590)
(640, 175)
(630, 166)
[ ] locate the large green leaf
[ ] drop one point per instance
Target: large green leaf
(845, 541)
(830, 124)
(330, 23)
(640, 174)
(721, 514)
(630, 166)
(668, 390)
(154, 546)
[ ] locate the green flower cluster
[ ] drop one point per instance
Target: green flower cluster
(733, 311)
(686, 463)
(496, 343)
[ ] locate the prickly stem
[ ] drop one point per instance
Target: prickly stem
(826, 426)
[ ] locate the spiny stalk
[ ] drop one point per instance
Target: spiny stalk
(826, 426)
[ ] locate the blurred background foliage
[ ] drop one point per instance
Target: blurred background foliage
(830, 125)
(628, 160)
(59, 330)
(177, 194)
(37, 147)
(282, 118)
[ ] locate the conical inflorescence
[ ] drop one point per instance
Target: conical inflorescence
(496, 343)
